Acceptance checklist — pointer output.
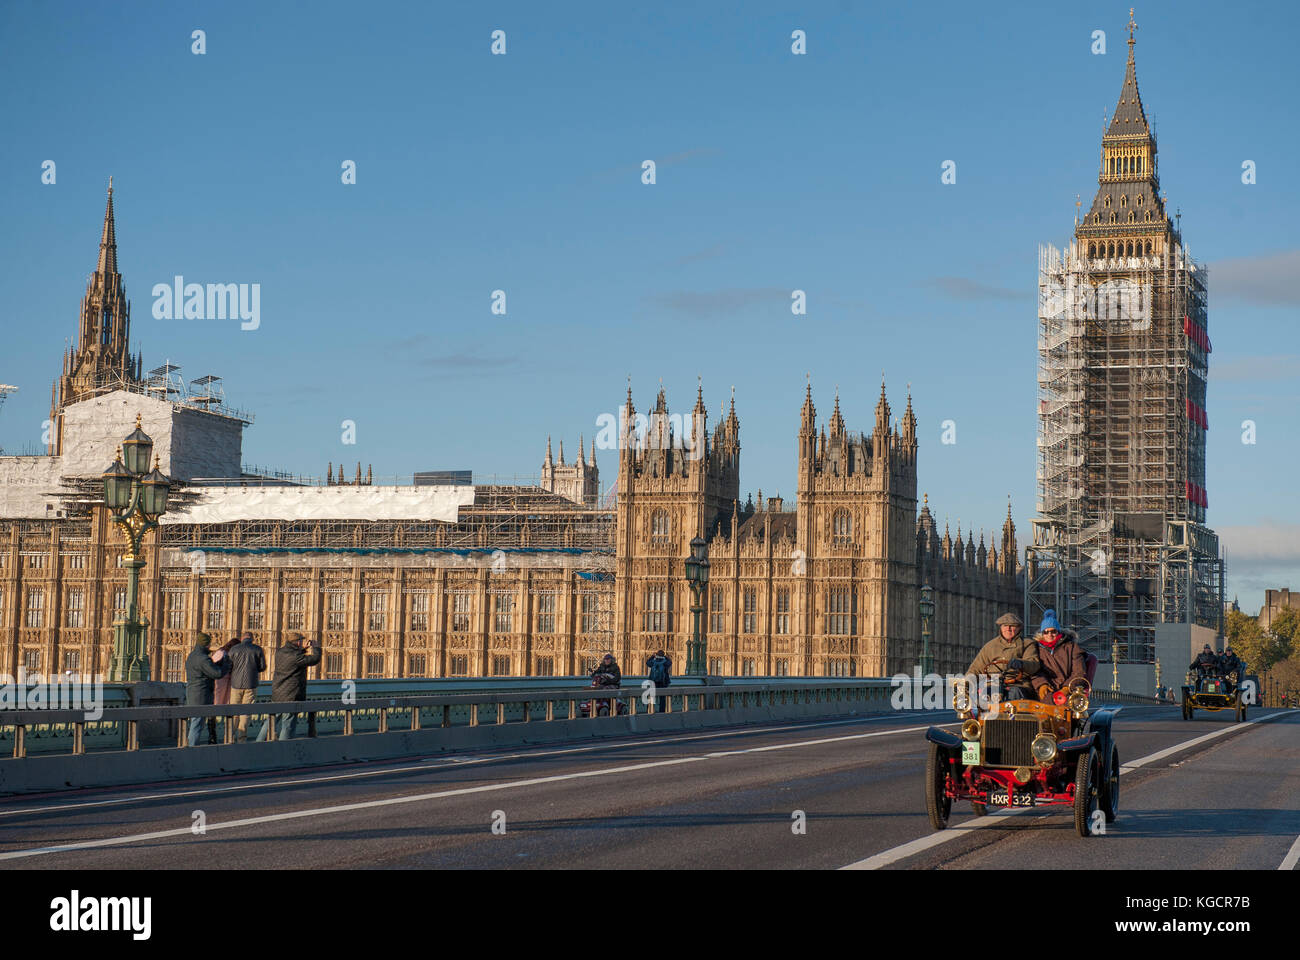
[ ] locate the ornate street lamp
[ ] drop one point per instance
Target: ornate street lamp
(135, 498)
(697, 576)
(927, 613)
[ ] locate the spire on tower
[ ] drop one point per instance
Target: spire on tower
(108, 238)
(548, 451)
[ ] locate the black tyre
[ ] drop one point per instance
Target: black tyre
(1110, 786)
(981, 809)
(1241, 712)
(937, 804)
(1085, 792)
(1187, 710)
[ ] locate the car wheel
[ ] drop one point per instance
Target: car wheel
(937, 804)
(1187, 710)
(981, 809)
(1110, 787)
(1085, 792)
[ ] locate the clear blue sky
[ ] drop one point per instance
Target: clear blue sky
(522, 173)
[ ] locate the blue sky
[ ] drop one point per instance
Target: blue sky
(523, 173)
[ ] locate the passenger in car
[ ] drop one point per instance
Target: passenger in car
(1062, 662)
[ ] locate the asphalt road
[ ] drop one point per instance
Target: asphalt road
(818, 794)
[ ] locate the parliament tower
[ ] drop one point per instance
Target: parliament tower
(1120, 543)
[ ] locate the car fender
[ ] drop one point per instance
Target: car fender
(943, 738)
(1078, 743)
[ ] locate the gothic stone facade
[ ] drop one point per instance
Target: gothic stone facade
(830, 588)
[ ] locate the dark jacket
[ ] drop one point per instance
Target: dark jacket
(290, 681)
(611, 668)
(200, 673)
(668, 667)
(247, 664)
(1205, 661)
(1061, 665)
(997, 653)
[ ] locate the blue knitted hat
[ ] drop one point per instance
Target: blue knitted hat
(1049, 622)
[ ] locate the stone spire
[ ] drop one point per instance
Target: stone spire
(561, 451)
(549, 460)
(108, 238)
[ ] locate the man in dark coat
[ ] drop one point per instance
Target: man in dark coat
(659, 667)
(289, 683)
(247, 664)
(1062, 662)
(1205, 665)
(609, 665)
(1232, 664)
(201, 672)
(1010, 651)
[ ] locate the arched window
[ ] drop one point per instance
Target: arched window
(1092, 251)
(1148, 242)
(841, 527)
(1130, 248)
(659, 525)
(1110, 250)
(1123, 201)
(1106, 202)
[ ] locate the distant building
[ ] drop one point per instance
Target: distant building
(578, 481)
(442, 478)
(1275, 601)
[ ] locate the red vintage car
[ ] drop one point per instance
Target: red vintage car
(1025, 753)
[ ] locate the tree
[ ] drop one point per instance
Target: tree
(1251, 643)
(1286, 632)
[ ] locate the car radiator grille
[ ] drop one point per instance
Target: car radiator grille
(1006, 742)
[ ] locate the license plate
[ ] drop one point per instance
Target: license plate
(970, 752)
(998, 798)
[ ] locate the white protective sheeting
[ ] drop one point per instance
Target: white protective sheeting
(28, 486)
(227, 504)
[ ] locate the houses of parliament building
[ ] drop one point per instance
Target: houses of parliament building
(411, 581)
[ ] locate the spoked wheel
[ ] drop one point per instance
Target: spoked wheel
(1110, 788)
(937, 804)
(1085, 792)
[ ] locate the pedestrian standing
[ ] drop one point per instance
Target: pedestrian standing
(247, 664)
(660, 668)
(221, 690)
(290, 682)
(201, 672)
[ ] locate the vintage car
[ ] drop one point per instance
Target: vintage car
(1025, 753)
(1214, 693)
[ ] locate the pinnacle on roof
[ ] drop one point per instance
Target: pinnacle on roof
(561, 451)
(1129, 119)
(108, 239)
(548, 450)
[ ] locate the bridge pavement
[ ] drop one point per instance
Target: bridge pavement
(726, 798)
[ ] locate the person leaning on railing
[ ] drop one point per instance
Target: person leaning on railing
(201, 673)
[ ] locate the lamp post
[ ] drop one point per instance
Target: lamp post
(697, 575)
(927, 612)
(1114, 659)
(1157, 676)
(135, 499)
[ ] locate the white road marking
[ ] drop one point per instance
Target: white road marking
(461, 791)
(1292, 857)
(921, 844)
(913, 847)
(1170, 751)
(441, 762)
